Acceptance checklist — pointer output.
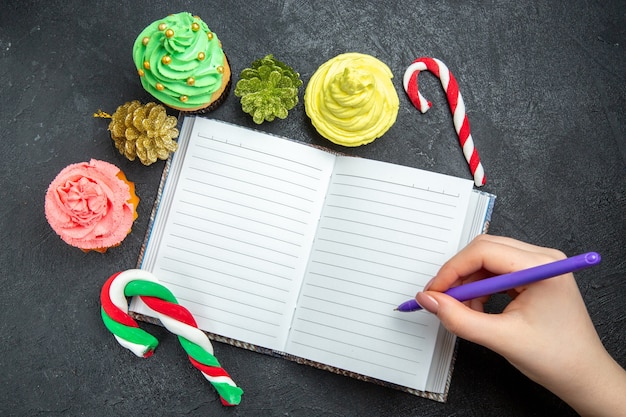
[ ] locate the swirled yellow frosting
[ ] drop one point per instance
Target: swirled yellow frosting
(181, 62)
(351, 100)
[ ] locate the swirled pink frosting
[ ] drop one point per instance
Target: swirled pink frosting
(87, 205)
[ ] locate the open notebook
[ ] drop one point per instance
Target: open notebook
(284, 248)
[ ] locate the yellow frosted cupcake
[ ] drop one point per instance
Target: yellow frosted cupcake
(181, 63)
(351, 100)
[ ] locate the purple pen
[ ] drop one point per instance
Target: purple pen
(505, 282)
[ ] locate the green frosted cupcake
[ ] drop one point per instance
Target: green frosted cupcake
(180, 62)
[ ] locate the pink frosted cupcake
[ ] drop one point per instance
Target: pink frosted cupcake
(91, 205)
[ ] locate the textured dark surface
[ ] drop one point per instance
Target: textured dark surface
(545, 89)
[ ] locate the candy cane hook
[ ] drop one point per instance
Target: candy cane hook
(457, 107)
(177, 319)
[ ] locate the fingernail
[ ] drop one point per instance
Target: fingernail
(427, 286)
(427, 302)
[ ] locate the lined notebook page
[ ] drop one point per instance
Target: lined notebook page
(384, 232)
(237, 236)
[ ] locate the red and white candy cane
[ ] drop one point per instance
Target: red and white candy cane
(457, 107)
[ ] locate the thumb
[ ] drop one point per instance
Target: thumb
(461, 320)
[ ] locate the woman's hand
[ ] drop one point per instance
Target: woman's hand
(545, 331)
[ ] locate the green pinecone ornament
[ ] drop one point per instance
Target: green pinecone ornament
(268, 89)
(143, 131)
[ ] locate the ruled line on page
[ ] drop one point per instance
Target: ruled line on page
(354, 345)
(277, 287)
(250, 195)
(224, 297)
(396, 230)
(375, 250)
(386, 195)
(325, 324)
(367, 200)
(370, 236)
(200, 314)
(349, 357)
(363, 259)
(380, 288)
(224, 285)
(202, 304)
(240, 217)
(260, 173)
(238, 313)
(404, 194)
(244, 230)
(367, 323)
(231, 239)
(264, 155)
(413, 186)
(236, 259)
(256, 185)
(347, 268)
(241, 253)
(403, 219)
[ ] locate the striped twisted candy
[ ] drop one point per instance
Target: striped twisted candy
(457, 107)
(175, 318)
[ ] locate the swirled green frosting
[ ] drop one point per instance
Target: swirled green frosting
(180, 61)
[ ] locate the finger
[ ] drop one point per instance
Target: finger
(462, 320)
(477, 305)
(504, 240)
(494, 254)
(528, 247)
(513, 293)
(474, 276)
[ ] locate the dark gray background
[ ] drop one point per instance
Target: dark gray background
(544, 86)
